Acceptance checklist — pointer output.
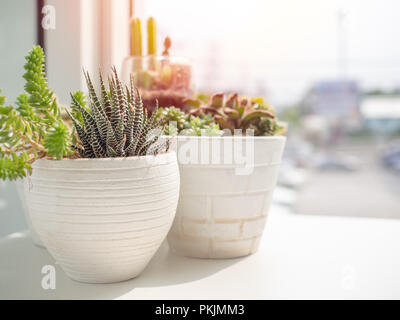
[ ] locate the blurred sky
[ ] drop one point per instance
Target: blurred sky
(282, 47)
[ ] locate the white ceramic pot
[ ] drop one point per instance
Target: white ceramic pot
(103, 219)
(22, 188)
(223, 208)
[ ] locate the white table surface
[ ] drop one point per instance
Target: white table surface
(301, 257)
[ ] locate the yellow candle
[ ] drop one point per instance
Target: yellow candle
(133, 27)
(136, 34)
(151, 36)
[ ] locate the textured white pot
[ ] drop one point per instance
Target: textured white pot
(222, 212)
(22, 188)
(103, 219)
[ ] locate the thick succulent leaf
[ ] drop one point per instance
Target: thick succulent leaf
(232, 102)
(111, 152)
(248, 115)
(207, 109)
(77, 101)
(119, 130)
(143, 150)
(217, 100)
(105, 99)
(98, 150)
(128, 130)
(57, 141)
(149, 125)
(224, 122)
(192, 103)
(95, 103)
(122, 100)
(96, 109)
(83, 136)
(111, 140)
(115, 109)
(138, 117)
(251, 116)
(145, 117)
(231, 113)
(80, 150)
(130, 150)
(204, 98)
(120, 148)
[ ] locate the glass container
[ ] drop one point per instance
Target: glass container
(167, 79)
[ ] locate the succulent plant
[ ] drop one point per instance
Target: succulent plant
(237, 113)
(34, 128)
(115, 124)
(178, 122)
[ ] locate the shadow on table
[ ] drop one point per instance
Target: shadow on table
(21, 263)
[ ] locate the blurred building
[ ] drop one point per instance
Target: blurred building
(382, 113)
(331, 108)
(333, 99)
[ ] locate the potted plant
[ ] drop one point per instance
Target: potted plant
(227, 181)
(105, 202)
(31, 130)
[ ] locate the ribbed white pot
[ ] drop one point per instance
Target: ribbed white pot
(103, 219)
(22, 188)
(222, 210)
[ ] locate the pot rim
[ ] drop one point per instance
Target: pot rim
(173, 58)
(132, 158)
(227, 137)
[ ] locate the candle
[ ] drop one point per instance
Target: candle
(136, 36)
(151, 36)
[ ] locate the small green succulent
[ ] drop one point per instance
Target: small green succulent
(178, 122)
(266, 126)
(115, 124)
(34, 128)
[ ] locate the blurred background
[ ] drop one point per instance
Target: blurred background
(330, 68)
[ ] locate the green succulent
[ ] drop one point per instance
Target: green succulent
(237, 113)
(178, 122)
(203, 125)
(115, 124)
(266, 126)
(34, 128)
(173, 120)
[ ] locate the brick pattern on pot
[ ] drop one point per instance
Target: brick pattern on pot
(221, 214)
(222, 229)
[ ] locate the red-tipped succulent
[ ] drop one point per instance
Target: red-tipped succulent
(237, 112)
